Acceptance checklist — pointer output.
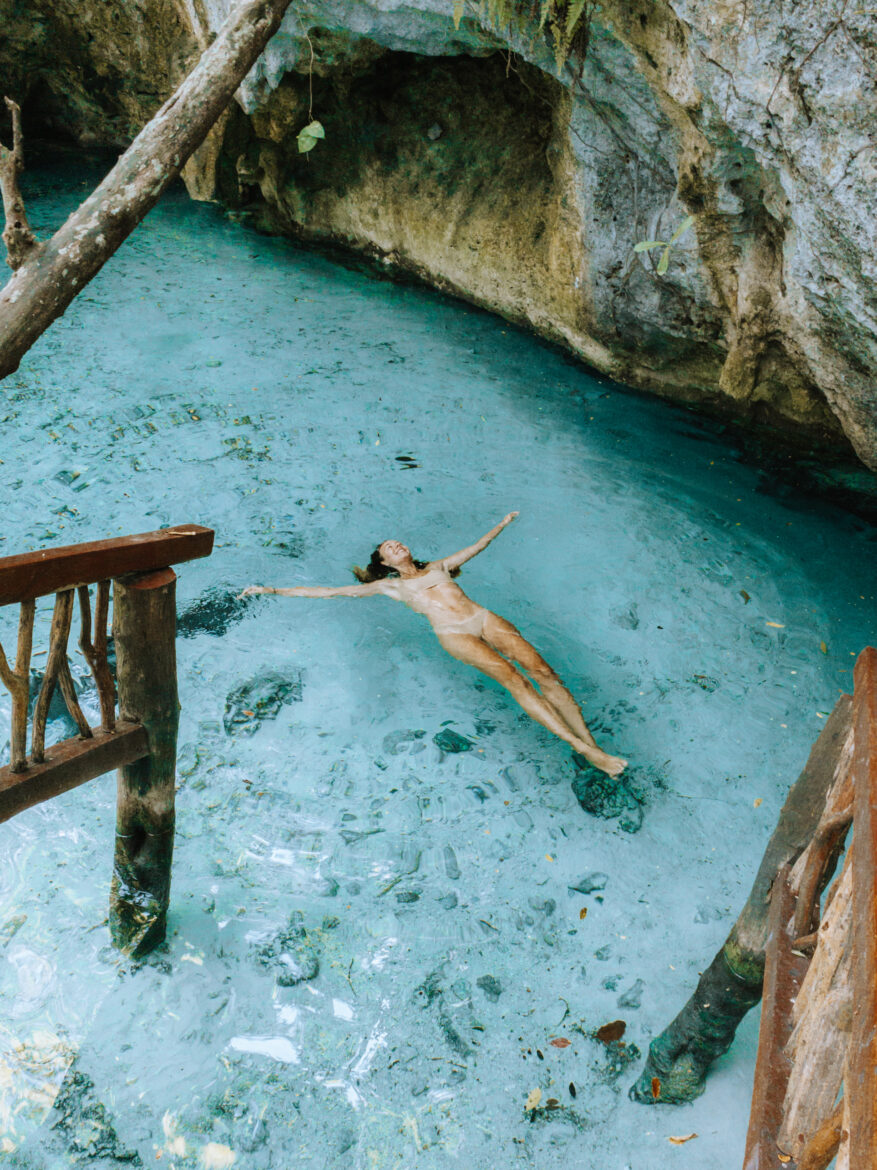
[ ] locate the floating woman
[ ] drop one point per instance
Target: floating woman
(470, 633)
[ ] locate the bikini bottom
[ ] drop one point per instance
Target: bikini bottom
(474, 624)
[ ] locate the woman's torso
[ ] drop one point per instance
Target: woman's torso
(433, 594)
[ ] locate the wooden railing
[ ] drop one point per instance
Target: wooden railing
(141, 742)
(819, 1013)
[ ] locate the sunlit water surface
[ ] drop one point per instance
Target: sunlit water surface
(306, 412)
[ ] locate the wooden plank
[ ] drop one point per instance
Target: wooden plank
(69, 764)
(35, 574)
(861, 1086)
(784, 973)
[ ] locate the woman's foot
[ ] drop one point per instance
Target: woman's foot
(611, 765)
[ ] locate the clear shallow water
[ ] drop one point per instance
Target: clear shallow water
(214, 376)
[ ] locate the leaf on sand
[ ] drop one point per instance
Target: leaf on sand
(757, 803)
(583, 913)
(745, 596)
(656, 1088)
(560, 1042)
(535, 1096)
(680, 1141)
(776, 625)
(607, 1033)
(823, 647)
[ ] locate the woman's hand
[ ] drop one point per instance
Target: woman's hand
(508, 519)
(251, 589)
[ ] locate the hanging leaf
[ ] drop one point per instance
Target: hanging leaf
(573, 14)
(647, 245)
(683, 227)
(310, 136)
(664, 262)
(458, 12)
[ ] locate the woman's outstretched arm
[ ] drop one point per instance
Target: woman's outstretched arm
(368, 590)
(466, 554)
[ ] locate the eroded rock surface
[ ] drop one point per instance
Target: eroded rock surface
(460, 155)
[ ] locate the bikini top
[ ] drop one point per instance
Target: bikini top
(411, 588)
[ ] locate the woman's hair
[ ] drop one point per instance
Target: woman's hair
(376, 570)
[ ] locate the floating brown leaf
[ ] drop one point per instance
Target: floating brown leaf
(553, 1103)
(823, 647)
(612, 1031)
(656, 1088)
(745, 596)
(583, 913)
(680, 1141)
(533, 1099)
(560, 1042)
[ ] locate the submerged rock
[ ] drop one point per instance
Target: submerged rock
(218, 608)
(290, 953)
(249, 705)
(82, 1118)
(491, 987)
(608, 797)
(451, 742)
(589, 883)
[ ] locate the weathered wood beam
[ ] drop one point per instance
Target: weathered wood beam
(860, 1088)
(17, 682)
(44, 571)
(69, 764)
(784, 972)
(57, 269)
(95, 651)
(144, 630)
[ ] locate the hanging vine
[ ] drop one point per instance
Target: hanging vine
(566, 23)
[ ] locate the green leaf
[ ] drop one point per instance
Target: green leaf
(683, 227)
(458, 12)
(647, 245)
(573, 13)
(308, 138)
(664, 262)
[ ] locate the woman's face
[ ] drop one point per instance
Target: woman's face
(394, 553)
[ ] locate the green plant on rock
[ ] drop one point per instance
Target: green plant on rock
(647, 245)
(568, 22)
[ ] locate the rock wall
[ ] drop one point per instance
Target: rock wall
(461, 155)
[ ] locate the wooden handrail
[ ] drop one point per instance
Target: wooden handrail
(861, 1079)
(36, 574)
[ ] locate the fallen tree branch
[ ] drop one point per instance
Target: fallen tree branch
(681, 1055)
(17, 235)
(52, 273)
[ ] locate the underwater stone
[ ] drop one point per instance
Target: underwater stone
(448, 901)
(405, 896)
(290, 953)
(633, 997)
(607, 797)
(213, 612)
(85, 1124)
(491, 987)
(589, 882)
(451, 742)
(398, 742)
(250, 704)
(452, 866)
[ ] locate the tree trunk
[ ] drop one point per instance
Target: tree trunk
(53, 272)
(682, 1054)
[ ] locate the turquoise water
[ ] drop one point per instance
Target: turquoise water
(306, 412)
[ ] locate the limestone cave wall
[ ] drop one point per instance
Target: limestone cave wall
(462, 155)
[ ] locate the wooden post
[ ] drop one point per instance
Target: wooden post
(860, 1089)
(144, 630)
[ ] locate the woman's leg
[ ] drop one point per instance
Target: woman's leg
(508, 640)
(475, 652)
